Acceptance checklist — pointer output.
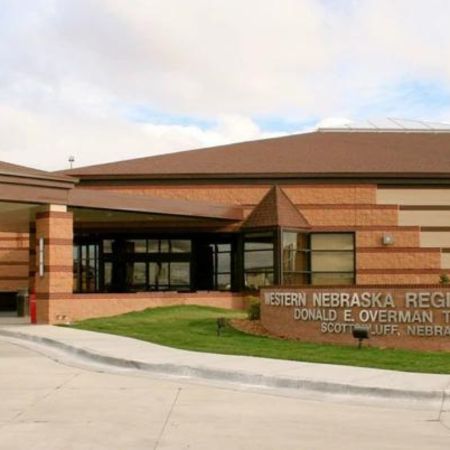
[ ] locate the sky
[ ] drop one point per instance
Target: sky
(106, 80)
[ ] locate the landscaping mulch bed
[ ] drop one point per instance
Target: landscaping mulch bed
(250, 327)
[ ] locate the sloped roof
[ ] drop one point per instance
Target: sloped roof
(15, 170)
(275, 210)
(317, 154)
(23, 184)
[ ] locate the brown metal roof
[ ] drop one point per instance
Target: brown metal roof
(90, 198)
(14, 170)
(321, 154)
(276, 210)
(22, 184)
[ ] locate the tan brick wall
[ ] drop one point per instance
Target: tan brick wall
(329, 194)
(409, 259)
(14, 257)
(252, 195)
(57, 230)
(10, 271)
(351, 216)
(397, 278)
(13, 285)
(402, 238)
(435, 238)
(84, 306)
(408, 196)
(425, 218)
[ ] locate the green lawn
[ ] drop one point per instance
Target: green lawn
(194, 328)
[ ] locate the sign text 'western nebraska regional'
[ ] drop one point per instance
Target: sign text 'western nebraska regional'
(414, 314)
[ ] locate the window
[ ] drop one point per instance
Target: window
(221, 259)
(318, 258)
(258, 260)
(86, 267)
(158, 264)
(132, 265)
(332, 258)
(295, 258)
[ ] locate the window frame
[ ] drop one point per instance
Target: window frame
(309, 253)
(275, 263)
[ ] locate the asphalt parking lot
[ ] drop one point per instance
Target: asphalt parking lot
(49, 405)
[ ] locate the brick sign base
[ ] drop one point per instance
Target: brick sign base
(396, 317)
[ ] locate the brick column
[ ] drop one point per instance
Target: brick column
(55, 225)
(32, 257)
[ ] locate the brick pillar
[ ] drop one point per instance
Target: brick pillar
(55, 225)
(32, 257)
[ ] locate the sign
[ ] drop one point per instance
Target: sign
(394, 317)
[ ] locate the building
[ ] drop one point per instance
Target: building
(360, 206)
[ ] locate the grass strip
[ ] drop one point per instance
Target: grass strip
(194, 328)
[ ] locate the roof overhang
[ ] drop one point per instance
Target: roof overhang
(24, 185)
(97, 199)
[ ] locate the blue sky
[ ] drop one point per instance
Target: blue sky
(109, 79)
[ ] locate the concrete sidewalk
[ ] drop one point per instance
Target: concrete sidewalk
(419, 390)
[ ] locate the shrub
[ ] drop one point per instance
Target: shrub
(253, 308)
(444, 279)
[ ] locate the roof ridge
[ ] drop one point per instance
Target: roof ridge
(275, 210)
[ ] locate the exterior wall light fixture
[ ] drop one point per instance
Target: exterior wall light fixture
(388, 239)
(360, 332)
(41, 257)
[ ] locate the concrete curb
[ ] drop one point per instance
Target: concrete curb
(437, 397)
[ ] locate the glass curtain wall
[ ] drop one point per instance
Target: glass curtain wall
(132, 265)
(157, 264)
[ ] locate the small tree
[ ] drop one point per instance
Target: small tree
(444, 279)
(253, 308)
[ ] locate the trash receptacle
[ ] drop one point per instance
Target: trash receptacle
(22, 303)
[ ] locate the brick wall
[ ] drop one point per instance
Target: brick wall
(14, 249)
(84, 306)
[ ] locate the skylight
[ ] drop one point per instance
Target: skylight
(391, 124)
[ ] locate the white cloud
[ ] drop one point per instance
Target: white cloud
(68, 67)
(47, 141)
(331, 122)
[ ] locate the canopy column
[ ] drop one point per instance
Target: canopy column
(54, 259)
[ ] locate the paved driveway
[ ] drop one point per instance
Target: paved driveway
(48, 405)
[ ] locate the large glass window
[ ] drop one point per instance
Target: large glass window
(318, 258)
(258, 260)
(332, 258)
(158, 264)
(132, 265)
(86, 267)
